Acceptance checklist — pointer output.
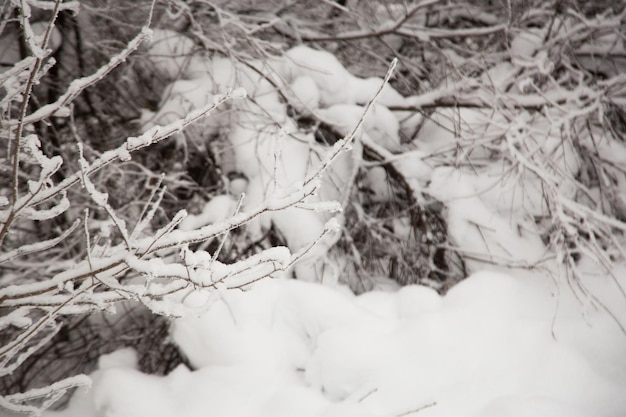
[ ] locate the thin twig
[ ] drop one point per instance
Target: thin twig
(343, 144)
(27, 94)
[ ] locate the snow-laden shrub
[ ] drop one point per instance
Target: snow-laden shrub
(300, 104)
(492, 160)
(68, 251)
(496, 145)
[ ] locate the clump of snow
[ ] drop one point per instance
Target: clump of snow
(476, 227)
(379, 124)
(218, 209)
(179, 98)
(170, 53)
(324, 68)
(306, 93)
(267, 147)
(365, 89)
(465, 127)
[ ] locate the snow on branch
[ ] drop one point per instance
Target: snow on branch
(39, 246)
(152, 136)
(19, 403)
(38, 44)
(101, 198)
(77, 86)
(12, 80)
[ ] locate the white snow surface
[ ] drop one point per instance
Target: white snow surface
(495, 345)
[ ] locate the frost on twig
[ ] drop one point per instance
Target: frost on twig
(38, 299)
(79, 85)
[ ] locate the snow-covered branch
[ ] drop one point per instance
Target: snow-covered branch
(19, 403)
(77, 86)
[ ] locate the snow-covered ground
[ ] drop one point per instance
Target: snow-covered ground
(495, 345)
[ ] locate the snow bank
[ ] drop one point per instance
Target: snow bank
(494, 345)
